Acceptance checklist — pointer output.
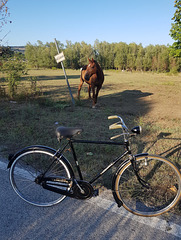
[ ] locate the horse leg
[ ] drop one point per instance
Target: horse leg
(94, 97)
(97, 92)
(80, 86)
(89, 90)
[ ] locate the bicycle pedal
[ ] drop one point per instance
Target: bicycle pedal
(96, 192)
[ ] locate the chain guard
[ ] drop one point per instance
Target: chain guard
(86, 187)
(75, 192)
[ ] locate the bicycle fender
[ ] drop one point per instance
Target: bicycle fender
(12, 157)
(126, 161)
(117, 200)
(141, 154)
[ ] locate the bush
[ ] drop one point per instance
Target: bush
(14, 68)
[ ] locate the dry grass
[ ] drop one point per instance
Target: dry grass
(148, 99)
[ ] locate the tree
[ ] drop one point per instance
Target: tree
(163, 59)
(175, 31)
(42, 55)
(109, 55)
(76, 54)
(31, 55)
(5, 52)
(71, 56)
(4, 13)
(121, 51)
(85, 52)
(147, 60)
(132, 55)
(104, 54)
(50, 52)
(139, 59)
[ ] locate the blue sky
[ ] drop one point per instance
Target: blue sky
(139, 21)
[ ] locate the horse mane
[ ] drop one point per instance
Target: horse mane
(84, 67)
(97, 64)
(100, 70)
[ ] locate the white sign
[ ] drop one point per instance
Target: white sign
(60, 57)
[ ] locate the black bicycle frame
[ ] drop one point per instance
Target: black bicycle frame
(126, 144)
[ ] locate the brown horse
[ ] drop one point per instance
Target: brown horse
(93, 75)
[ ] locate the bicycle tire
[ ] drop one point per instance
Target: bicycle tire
(164, 189)
(27, 166)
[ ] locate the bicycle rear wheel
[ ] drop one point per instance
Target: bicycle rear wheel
(164, 189)
(28, 167)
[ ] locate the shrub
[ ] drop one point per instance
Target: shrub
(14, 68)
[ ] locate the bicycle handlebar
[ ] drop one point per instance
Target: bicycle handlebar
(119, 135)
(112, 117)
(120, 124)
(117, 125)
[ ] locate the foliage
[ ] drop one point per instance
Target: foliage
(5, 52)
(40, 55)
(104, 53)
(14, 68)
(175, 30)
(4, 13)
(132, 57)
(76, 54)
(34, 90)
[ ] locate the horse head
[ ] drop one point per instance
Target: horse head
(91, 69)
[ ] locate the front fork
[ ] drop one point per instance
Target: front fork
(134, 164)
(132, 159)
(136, 171)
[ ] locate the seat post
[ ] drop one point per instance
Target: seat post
(75, 159)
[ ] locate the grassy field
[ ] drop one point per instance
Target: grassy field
(147, 99)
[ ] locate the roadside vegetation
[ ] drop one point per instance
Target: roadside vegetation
(148, 99)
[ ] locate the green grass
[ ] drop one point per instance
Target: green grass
(148, 99)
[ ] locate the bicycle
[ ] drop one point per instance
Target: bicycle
(146, 185)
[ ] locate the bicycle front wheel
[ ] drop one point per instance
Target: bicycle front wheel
(31, 165)
(160, 192)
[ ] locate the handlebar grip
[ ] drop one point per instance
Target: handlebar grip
(113, 117)
(115, 137)
(115, 126)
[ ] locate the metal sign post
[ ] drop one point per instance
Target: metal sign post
(60, 58)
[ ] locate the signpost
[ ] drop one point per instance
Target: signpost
(60, 58)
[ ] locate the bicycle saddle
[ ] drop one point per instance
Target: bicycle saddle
(67, 132)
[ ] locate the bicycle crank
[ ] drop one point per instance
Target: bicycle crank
(83, 190)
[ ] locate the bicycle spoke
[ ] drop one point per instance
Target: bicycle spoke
(24, 175)
(162, 193)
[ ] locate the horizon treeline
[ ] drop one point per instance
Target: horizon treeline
(121, 56)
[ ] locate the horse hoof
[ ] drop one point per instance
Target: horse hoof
(94, 106)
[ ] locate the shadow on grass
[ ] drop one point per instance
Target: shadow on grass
(129, 102)
(174, 150)
(49, 78)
